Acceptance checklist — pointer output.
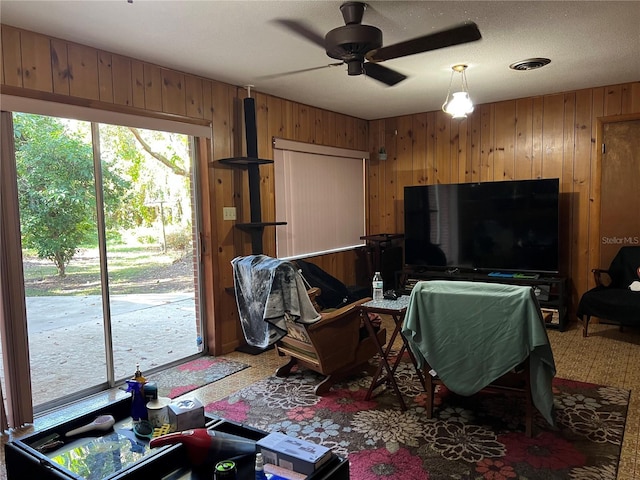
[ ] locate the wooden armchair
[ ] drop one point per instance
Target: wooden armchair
(334, 346)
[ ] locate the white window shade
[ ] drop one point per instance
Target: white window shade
(322, 199)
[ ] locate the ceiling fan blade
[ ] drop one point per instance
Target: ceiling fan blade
(302, 29)
(383, 74)
(465, 33)
(293, 72)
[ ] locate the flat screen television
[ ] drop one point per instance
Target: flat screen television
(504, 226)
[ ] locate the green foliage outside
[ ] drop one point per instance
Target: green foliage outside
(56, 188)
(145, 182)
(157, 164)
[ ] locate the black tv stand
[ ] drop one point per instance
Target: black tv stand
(551, 291)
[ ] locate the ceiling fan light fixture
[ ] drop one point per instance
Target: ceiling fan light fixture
(458, 104)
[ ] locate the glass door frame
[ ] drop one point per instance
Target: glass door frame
(102, 249)
(24, 389)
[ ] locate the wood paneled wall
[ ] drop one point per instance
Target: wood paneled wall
(38, 66)
(541, 137)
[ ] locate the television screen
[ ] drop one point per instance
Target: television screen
(491, 226)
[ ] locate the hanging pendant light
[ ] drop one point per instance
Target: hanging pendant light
(458, 104)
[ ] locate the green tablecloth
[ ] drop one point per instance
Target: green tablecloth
(472, 333)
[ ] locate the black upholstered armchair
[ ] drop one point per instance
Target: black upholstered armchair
(615, 301)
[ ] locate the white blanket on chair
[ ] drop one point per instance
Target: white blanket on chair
(266, 288)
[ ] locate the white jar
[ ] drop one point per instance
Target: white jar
(158, 412)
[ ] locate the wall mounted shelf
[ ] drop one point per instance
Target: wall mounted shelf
(240, 162)
(258, 225)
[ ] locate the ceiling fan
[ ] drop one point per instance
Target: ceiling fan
(360, 46)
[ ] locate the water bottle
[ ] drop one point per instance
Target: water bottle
(377, 287)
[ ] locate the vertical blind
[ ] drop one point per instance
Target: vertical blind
(320, 193)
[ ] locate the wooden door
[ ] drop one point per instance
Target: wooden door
(620, 194)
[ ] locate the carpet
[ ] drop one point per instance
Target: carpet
(178, 380)
(478, 437)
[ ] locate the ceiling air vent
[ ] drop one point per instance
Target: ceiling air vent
(530, 64)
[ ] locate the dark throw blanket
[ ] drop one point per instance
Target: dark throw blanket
(267, 290)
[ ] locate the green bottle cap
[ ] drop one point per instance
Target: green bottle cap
(225, 469)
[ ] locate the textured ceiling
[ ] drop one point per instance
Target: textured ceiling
(590, 43)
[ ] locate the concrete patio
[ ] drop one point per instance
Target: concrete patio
(66, 338)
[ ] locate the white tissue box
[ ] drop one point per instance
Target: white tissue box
(186, 414)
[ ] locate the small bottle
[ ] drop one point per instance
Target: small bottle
(260, 475)
(137, 376)
(138, 404)
(378, 286)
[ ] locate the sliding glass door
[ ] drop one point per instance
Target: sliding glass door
(110, 263)
(151, 262)
(58, 224)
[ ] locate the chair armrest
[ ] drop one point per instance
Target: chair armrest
(338, 315)
(597, 276)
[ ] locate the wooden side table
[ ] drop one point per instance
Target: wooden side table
(385, 371)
